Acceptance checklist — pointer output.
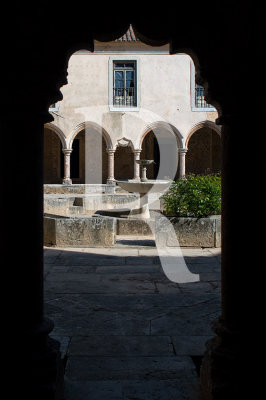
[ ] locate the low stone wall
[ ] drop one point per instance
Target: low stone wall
(133, 227)
(79, 232)
(100, 231)
(86, 203)
(79, 188)
(58, 205)
(190, 232)
(109, 201)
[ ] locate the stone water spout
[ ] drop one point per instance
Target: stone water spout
(144, 164)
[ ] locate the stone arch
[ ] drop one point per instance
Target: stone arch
(156, 148)
(54, 143)
(90, 168)
(93, 125)
(164, 125)
(59, 133)
(203, 124)
(204, 149)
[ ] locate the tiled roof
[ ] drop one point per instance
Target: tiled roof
(129, 36)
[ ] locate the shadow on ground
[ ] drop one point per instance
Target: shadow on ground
(126, 331)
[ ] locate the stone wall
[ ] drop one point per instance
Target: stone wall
(86, 97)
(78, 189)
(190, 232)
(79, 232)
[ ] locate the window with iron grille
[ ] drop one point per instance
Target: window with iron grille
(124, 84)
(54, 107)
(200, 101)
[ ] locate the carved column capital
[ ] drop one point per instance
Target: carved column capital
(67, 152)
(182, 150)
(110, 151)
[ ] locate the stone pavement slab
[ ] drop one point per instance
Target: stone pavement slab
(130, 368)
(126, 331)
(132, 390)
(121, 346)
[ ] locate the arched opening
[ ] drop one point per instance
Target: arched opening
(124, 163)
(150, 151)
(160, 143)
(53, 170)
(89, 159)
(77, 159)
(204, 152)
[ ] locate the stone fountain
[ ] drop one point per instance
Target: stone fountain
(144, 164)
(143, 187)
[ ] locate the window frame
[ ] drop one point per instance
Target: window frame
(126, 59)
(193, 92)
(54, 109)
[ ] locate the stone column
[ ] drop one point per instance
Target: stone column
(33, 364)
(182, 162)
(111, 165)
(67, 180)
(136, 165)
(228, 361)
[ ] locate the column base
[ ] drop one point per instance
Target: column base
(67, 182)
(41, 370)
(110, 181)
(223, 365)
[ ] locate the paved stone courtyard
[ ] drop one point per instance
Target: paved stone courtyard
(127, 332)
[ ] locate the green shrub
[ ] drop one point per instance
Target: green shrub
(195, 196)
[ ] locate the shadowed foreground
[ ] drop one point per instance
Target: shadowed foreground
(126, 331)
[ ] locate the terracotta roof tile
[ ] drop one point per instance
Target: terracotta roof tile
(129, 36)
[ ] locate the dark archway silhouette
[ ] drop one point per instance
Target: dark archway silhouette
(31, 82)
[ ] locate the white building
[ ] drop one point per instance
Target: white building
(117, 101)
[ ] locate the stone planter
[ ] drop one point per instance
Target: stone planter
(79, 232)
(190, 232)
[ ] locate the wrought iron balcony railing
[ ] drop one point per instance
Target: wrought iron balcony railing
(124, 97)
(200, 101)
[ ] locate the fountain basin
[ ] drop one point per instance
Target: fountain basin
(151, 186)
(143, 188)
(64, 204)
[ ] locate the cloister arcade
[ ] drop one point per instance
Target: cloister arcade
(89, 156)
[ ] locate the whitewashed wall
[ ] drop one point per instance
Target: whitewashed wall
(164, 88)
